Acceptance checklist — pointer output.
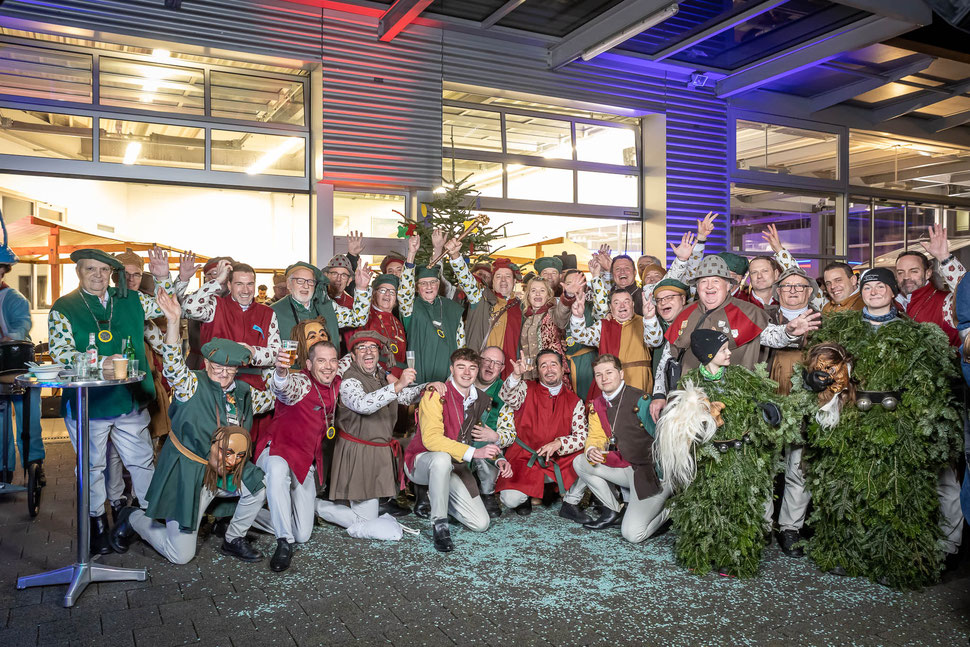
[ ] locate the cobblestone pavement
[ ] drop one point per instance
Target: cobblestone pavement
(535, 581)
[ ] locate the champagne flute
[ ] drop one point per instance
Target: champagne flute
(409, 356)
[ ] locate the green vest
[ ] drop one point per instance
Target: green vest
(581, 358)
(174, 491)
(127, 320)
(432, 353)
(290, 312)
(491, 418)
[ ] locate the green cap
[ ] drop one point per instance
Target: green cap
(737, 264)
(97, 255)
(670, 284)
(226, 352)
(546, 262)
(423, 272)
(387, 278)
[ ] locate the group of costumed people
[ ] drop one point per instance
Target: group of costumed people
(662, 396)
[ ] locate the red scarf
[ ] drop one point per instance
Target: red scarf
(513, 331)
(926, 306)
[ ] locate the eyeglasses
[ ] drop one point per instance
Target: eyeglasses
(428, 283)
(367, 348)
(390, 291)
(491, 362)
(668, 299)
(223, 370)
(133, 275)
(305, 282)
(794, 287)
(338, 275)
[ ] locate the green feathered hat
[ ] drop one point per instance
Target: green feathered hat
(226, 352)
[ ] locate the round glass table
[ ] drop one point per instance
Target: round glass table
(84, 571)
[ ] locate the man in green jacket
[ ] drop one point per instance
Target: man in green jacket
(206, 455)
(109, 316)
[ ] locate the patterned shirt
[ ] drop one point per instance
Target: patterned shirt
(952, 272)
(354, 397)
(513, 395)
(653, 334)
(185, 382)
(405, 300)
(60, 333)
(201, 306)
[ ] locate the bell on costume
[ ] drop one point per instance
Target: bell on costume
(863, 403)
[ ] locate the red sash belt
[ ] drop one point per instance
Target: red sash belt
(395, 451)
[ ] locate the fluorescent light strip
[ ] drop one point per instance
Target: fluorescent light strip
(271, 156)
(630, 32)
(131, 153)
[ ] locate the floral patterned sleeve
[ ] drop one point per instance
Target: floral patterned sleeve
(465, 279)
(952, 272)
(61, 339)
(576, 440)
(512, 393)
(601, 295)
(775, 336)
(290, 389)
(588, 335)
(344, 364)
(505, 427)
(354, 397)
(356, 317)
(785, 259)
(405, 296)
(201, 304)
(183, 381)
(653, 333)
(148, 303)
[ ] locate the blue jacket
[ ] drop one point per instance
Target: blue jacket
(16, 314)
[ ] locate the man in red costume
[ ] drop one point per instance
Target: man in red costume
(549, 428)
(291, 450)
(918, 297)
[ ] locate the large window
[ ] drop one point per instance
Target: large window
(541, 153)
(882, 161)
(879, 229)
(786, 150)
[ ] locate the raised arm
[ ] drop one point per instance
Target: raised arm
(201, 304)
(460, 266)
(183, 381)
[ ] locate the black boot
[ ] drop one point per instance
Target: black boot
(393, 508)
(99, 535)
(492, 506)
(241, 548)
(606, 519)
(571, 511)
(220, 526)
(422, 504)
(442, 536)
(525, 509)
(117, 507)
(121, 535)
(282, 556)
(787, 540)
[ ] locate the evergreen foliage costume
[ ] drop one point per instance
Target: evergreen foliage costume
(720, 516)
(873, 475)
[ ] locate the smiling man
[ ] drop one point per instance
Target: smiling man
(206, 406)
(842, 288)
(308, 299)
(439, 455)
(291, 451)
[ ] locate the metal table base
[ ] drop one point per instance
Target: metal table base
(84, 571)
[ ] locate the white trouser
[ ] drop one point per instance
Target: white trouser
(178, 546)
(114, 475)
(951, 515)
(447, 492)
(515, 498)
(362, 519)
(290, 514)
(794, 503)
(487, 473)
(643, 516)
(129, 434)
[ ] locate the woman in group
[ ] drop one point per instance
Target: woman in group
(539, 327)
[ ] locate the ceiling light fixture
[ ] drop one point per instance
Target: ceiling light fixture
(631, 31)
(271, 156)
(131, 153)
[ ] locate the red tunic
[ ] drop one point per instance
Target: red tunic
(926, 306)
(250, 326)
(389, 326)
(297, 430)
(541, 419)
